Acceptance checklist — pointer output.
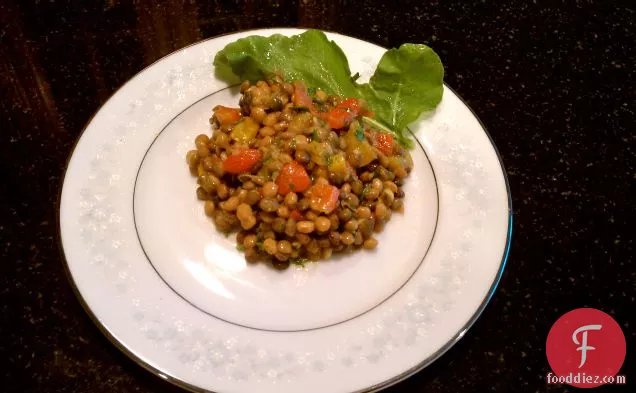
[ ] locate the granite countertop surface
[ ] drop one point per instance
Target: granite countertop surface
(553, 81)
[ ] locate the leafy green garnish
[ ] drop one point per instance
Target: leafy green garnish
(314, 135)
(240, 247)
(407, 81)
(309, 57)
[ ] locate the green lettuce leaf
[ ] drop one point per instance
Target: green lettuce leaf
(309, 57)
(407, 81)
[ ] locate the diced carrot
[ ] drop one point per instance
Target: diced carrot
(323, 198)
(226, 115)
(301, 98)
(296, 215)
(242, 161)
(292, 178)
(350, 104)
(385, 143)
(339, 118)
(344, 113)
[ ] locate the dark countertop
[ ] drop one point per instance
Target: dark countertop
(554, 83)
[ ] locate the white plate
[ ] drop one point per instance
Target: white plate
(177, 296)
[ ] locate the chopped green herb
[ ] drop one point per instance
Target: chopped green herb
(259, 245)
(292, 144)
(300, 261)
(360, 133)
(311, 91)
(365, 191)
(240, 247)
(321, 107)
(314, 135)
(326, 156)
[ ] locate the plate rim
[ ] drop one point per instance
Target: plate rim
(374, 388)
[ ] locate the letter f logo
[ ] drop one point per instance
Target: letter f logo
(584, 347)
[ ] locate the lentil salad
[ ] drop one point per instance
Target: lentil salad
(298, 173)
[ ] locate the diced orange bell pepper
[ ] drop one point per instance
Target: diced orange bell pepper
(226, 115)
(323, 198)
(243, 161)
(292, 178)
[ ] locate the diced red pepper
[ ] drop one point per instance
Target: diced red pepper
(243, 161)
(296, 215)
(226, 115)
(385, 143)
(292, 178)
(323, 198)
